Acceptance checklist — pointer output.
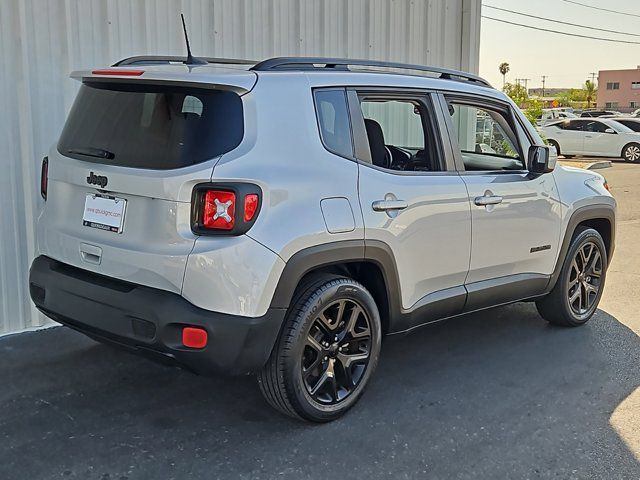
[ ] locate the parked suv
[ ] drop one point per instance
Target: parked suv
(281, 218)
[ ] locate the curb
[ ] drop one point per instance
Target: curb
(587, 165)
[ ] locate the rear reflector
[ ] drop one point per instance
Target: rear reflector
(250, 206)
(44, 177)
(219, 210)
(122, 73)
(194, 337)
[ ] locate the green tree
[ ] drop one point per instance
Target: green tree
(533, 111)
(504, 69)
(591, 91)
(517, 93)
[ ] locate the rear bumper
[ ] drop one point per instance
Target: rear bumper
(149, 321)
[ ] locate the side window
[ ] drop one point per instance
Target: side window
(333, 121)
(192, 104)
(486, 138)
(595, 126)
(576, 125)
(401, 134)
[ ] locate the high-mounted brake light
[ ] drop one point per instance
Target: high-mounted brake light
(219, 210)
(44, 178)
(121, 73)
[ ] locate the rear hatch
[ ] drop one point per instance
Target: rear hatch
(121, 176)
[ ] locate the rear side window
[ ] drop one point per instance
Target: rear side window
(333, 120)
(151, 126)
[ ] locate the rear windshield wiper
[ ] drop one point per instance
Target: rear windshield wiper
(93, 152)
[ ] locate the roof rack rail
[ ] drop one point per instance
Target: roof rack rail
(163, 59)
(311, 63)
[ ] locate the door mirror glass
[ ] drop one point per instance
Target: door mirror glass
(541, 159)
(609, 130)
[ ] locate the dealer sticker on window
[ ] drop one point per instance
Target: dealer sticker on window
(105, 213)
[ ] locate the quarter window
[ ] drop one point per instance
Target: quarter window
(333, 120)
(486, 138)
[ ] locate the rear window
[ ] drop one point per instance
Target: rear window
(151, 126)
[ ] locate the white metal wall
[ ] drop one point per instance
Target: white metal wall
(41, 41)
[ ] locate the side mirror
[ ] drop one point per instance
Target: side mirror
(541, 159)
(610, 130)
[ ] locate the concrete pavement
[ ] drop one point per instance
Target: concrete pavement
(495, 395)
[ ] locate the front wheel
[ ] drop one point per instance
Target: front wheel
(576, 294)
(326, 353)
(631, 153)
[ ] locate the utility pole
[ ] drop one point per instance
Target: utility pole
(526, 84)
(544, 79)
(593, 77)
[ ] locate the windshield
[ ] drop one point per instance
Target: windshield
(151, 126)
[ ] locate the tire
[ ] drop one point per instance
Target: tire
(577, 292)
(307, 377)
(631, 153)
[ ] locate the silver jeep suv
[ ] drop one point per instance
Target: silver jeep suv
(280, 218)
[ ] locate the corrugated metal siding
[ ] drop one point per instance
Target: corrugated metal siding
(43, 40)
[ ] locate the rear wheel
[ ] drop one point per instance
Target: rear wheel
(576, 294)
(631, 153)
(326, 353)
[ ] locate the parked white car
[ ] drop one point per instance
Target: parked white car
(599, 137)
(553, 114)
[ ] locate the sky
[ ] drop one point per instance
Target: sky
(566, 61)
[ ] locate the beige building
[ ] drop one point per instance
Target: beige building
(619, 89)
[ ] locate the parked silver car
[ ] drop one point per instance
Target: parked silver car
(280, 218)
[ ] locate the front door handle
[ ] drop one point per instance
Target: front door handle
(488, 200)
(386, 205)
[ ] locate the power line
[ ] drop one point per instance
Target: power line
(602, 9)
(560, 21)
(559, 32)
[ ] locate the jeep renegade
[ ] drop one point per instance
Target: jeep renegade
(280, 218)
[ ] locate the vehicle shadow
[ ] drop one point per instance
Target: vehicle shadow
(498, 394)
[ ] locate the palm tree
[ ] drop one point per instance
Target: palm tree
(504, 69)
(590, 89)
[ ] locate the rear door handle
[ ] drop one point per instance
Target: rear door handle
(488, 200)
(386, 205)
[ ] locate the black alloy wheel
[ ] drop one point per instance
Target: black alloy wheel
(337, 352)
(578, 289)
(327, 351)
(584, 279)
